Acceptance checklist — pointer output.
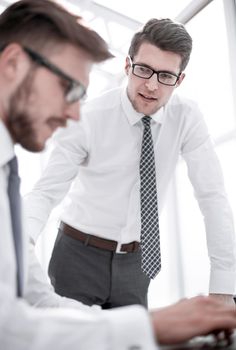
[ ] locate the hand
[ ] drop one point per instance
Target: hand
(226, 298)
(192, 317)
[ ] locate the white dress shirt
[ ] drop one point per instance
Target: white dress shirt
(23, 327)
(102, 153)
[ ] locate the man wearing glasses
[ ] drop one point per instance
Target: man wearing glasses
(45, 56)
(121, 158)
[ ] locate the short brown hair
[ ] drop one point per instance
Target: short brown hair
(166, 35)
(40, 24)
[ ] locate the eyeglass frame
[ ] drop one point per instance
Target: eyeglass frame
(73, 84)
(157, 72)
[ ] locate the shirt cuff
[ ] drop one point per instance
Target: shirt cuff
(131, 328)
(222, 282)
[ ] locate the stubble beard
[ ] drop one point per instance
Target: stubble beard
(20, 121)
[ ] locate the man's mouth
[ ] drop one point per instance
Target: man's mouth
(147, 97)
(55, 123)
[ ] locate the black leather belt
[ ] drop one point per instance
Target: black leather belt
(98, 242)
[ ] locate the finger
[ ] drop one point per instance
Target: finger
(224, 338)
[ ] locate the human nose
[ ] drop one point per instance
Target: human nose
(72, 111)
(152, 83)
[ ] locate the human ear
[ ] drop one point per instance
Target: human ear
(181, 78)
(12, 62)
(127, 65)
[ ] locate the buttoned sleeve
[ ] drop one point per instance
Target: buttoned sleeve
(25, 328)
(62, 323)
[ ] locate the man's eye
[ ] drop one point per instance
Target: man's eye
(144, 70)
(65, 85)
(166, 76)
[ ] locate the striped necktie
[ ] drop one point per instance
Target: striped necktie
(15, 209)
(150, 239)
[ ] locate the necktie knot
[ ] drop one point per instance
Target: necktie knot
(13, 166)
(146, 121)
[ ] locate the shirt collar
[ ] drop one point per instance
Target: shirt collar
(7, 146)
(133, 116)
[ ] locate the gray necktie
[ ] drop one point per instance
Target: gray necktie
(150, 239)
(15, 208)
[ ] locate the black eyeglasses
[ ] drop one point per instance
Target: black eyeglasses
(164, 77)
(75, 90)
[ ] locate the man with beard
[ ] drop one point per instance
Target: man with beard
(45, 60)
(122, 157)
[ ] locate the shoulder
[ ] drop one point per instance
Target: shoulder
(108, 100)
(182, 103)
(183, 108)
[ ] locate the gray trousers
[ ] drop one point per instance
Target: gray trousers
(96, 276)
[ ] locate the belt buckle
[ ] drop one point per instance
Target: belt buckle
(118, 247)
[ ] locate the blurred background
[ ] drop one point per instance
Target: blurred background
(210, 80)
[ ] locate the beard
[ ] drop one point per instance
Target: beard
(20, 122)
(25, 124)
(22, 131)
